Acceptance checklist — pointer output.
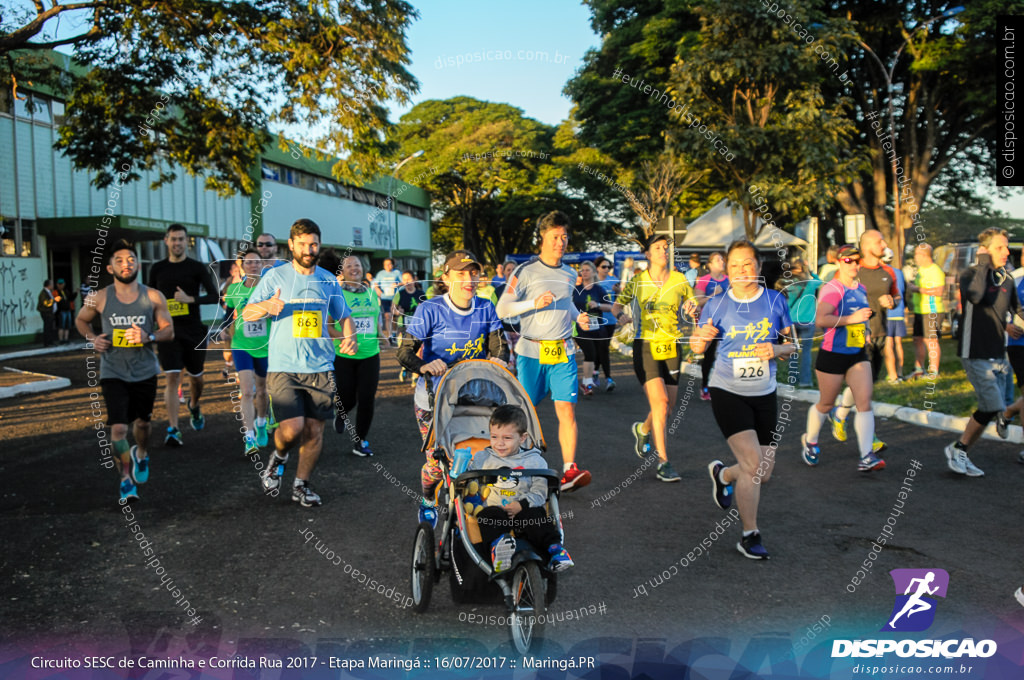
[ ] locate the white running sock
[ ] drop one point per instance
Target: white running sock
(260, 421)
(747, 534)
(845, 405)
(566, 467)
(815, 419)
(864, 426)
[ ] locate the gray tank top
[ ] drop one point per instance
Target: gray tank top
(123, 361)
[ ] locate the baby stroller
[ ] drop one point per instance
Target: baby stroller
(462, 407)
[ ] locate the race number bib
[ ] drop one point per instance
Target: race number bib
(663, 349)
(364, 325)
(855, 335)
(177, 308)
(254, 329)
(307, 325)
(553, 352)
(751, 372)
(120, 341)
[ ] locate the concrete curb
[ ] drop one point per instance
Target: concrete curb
(54, 383)
(40, 351)
(923, 418)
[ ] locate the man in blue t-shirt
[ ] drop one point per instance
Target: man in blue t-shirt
(304, 301)
(386, 283)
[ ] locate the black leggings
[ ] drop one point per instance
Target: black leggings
(357, 381)
(707, 362)
(603, 361)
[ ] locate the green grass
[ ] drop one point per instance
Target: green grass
(952, 393)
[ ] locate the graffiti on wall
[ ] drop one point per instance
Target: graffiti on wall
(21, 279)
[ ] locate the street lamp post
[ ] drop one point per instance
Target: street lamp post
(887, 74)
(391, 197)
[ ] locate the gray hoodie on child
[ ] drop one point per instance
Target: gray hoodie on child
(531, 492)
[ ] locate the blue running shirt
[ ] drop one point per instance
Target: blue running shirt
(298, 335)
(741, 325)
(848, 339)
(451, 334)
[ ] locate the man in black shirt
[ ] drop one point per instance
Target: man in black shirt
(179, 278)
(988, 293)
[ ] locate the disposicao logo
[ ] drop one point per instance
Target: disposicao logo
(914, 611)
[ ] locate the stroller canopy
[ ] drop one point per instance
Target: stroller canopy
(467, 395)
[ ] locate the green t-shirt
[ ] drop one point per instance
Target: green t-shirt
(365, 308)
(249, 336)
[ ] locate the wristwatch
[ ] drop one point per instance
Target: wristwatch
(152, 338)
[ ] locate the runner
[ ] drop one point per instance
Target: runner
(133, 318)
(386, 283)
(266, 246)
(896, 327)
(989, 295)
(357, 375)
(750, 322)
(928, 289)
(879, 281)
(591, 338)
(303, 301)
(843, 311)
(657, 296)
(715, 282)
(612, 288)
(540, 293)
(407, 299)
(452, 327)
(248, 341)
(179, 278)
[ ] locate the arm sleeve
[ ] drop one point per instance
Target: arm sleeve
(508, 307)
(496, 345)
(974, 282)
(407, 353)
(627, 294)
(212, 296)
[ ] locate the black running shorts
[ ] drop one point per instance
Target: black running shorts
(738, 413)
(128, 401)
(837, 363)
(647, 367)
(186, 351)
(928, 325)
(301, 395)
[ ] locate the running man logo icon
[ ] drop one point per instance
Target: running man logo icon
(914, 609)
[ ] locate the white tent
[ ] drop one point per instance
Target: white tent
(723, 224)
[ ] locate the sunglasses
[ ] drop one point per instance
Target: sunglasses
(265, 245)
(850, 260)
(604, 266)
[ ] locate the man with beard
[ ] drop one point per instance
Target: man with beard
(304, 301)
(179, 278)
(133, 317)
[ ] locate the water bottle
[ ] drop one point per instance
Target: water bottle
(462, 458)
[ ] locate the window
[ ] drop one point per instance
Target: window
(271, 171)
(21, 107)
(58, 112)
(11, 241)
(41, 110)
(5, 101)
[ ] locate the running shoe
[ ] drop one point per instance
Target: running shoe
(428, 513)
(750, 546)
(362, 449)
(588, 390)
(262, 437)
(809, 452)
(970, 469)
(1020, 457)
(271, 420)
(1019, 595)
(609, 385)
(720, 491)
(1002, 426)
(705, 395)
(140, 468)
(560, 560)
(574, 478)
(916, 374)
(251, 448)
(838, 426)
(643, 441)
(339, 423)
(502, 550)
(870, 462)
(955, 457)
(305, 496)
(877, 445)
(402, 375)
(173, 437)
(667, 473)
(196, 418)
(270, 478)
(129, 492)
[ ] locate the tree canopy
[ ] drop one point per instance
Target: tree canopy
(196, 84)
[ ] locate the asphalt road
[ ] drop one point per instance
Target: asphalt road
(71, 571)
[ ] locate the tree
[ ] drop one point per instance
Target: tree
(196, 83)
(490, 172)
(749, 108)
(946, 110)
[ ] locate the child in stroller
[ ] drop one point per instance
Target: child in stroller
(513, 504)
